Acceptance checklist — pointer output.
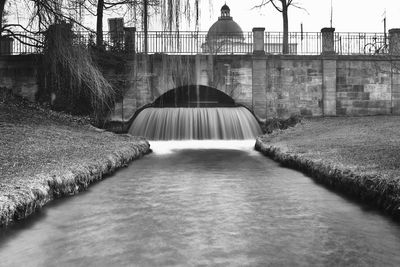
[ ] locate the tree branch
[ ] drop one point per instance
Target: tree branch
(18, 36)
(266, 2)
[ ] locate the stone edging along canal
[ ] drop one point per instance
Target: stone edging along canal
(366, 188)
(23, 200)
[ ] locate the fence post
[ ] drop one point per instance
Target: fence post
(328, 41)
(394, 49)
(259, 75)
(258, 41)
(394, 42)
(328, 72)
(129, 39)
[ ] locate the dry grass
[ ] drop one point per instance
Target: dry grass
(41, 148)
(359, 156)
(362, 144)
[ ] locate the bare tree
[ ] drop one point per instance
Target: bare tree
(120, 6)
(283, 7)
(2, 4)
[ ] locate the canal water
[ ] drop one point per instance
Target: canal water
(203, 203)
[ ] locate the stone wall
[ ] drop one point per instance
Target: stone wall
(294, 86)
(19, 74)
(156, 74)
(396, 88)
(269, 85)
(364, 86)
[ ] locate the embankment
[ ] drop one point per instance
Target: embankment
(355, 156)
(45, 156)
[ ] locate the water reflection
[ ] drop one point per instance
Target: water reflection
(205, 203)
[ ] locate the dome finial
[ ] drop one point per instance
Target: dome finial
(225, 10)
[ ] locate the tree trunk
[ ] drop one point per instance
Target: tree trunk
(145, 25)
(285, 47)
(2, 4)
(99, 26)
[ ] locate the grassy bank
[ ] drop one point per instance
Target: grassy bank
(45, 155)
(359, 156)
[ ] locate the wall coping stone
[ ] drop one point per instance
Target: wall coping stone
(293, 57)
(329, 56)
(257, 54)
(328, 29)
(369, 57)
(258, 29)
(250, 55)
(20, 57)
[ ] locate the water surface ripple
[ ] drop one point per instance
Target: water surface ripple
(188, 205)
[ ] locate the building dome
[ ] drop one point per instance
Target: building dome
(225, 8)
(225, 26)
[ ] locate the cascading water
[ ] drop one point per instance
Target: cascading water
(195, 123)
(195, 112)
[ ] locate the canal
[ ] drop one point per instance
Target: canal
(203, 203)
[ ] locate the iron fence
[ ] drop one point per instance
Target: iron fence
(361, 43)
(300, 43)
(194, 43)
(19, 43)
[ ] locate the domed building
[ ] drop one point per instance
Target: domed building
(224, 35)
(225, 26)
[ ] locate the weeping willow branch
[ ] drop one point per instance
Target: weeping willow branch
(72, 74)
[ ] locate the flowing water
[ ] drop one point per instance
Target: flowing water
(195, 123)
(203, 203)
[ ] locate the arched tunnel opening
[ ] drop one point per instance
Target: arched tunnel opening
(194, 96)
(194, 112)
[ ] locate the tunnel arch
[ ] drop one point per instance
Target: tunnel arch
(194, 96)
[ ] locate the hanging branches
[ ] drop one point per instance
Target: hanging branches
(173, 11)
(72, 75)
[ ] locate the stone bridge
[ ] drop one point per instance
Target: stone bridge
(272, 86)
(152, 76)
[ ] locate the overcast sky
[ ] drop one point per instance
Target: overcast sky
(348, 15)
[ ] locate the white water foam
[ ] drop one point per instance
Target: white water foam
(168, 147)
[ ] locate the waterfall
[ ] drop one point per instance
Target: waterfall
(195, 123)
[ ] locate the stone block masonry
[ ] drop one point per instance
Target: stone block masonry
(294, 86)
(259, 94)
(19, 74)
(272, 86)
(329, 86)
(364, 86)
(395, 87)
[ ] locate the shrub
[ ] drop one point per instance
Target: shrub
(271, 125)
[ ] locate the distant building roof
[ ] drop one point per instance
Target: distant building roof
(224, 26)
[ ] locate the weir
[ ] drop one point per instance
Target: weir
(195, 112)
(195, 123)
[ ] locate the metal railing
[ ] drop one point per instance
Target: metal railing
(20, 43)
(361, 43)
(194, 43)
(300, 43)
